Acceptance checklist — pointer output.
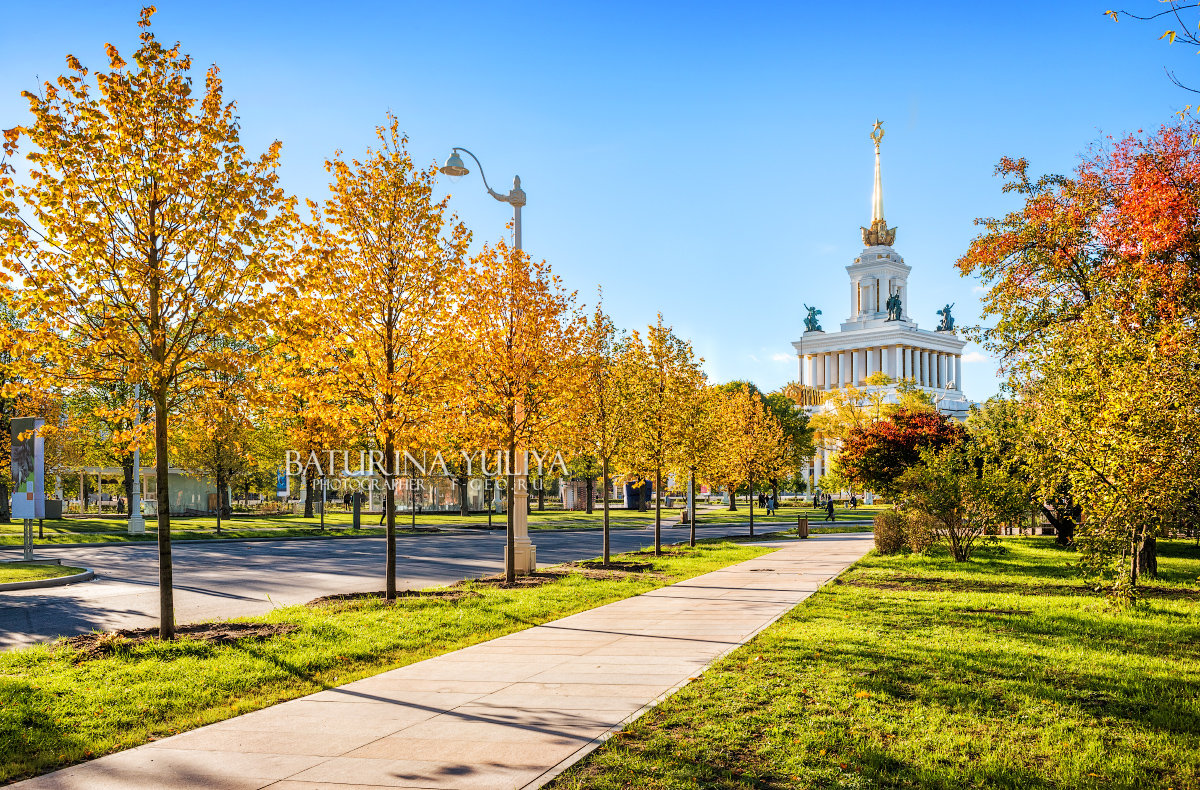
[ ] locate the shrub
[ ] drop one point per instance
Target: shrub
(920, 531)
(889, 532)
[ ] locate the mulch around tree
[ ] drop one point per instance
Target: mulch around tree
(443, 595)
(103, 643)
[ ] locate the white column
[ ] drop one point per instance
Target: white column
(854, 295)
(887, 359)
(897, 360)
(943, 379)
(859, 359)
(870, 353)
(923, 368)
(843, 368)
(958, 372)
(827, 378)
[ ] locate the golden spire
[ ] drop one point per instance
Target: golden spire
(879, 234)
(877, 195)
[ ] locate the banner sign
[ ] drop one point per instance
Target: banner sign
(28, 469)
(281, 485)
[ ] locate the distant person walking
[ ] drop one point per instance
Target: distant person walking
(816, 501)
(829, 510)
(853, 502)
(770, 505)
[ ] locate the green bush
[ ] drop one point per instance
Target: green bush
(920, 531)
(890, 532)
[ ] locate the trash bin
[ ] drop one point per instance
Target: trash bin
(683, 516)
(802, 526)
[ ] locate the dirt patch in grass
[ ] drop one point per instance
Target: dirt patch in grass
(102, 644)
(615, 565)
(443, 595)
(650, 553)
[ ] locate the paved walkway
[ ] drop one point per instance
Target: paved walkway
(509, 713)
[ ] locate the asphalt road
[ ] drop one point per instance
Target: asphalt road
(220, 580)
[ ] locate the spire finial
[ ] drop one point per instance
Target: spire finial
(879, 233)
(877, 134)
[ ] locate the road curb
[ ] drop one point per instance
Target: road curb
(58, 581)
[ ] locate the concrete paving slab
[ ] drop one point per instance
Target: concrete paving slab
(509, 713)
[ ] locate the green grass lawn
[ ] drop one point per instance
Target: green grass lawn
(59, 707)
(915, 672)
(21, 572)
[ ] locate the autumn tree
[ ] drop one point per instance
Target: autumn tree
(150, 237)
(663, 373)
(751, 445)
(604, 424)
(877, 454)
(698, 425)
(380, 285)
(797, 437)
(1094, 288)
(520, 364)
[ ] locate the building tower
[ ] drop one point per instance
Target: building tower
(879, 336)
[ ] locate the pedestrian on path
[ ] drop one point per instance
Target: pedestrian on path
(829, 510)
(770, 505)
(853, 502)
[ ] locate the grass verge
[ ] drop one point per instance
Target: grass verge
(20, 572)
(60, 704)
(915, 672)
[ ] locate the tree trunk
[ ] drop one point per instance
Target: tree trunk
(1064, 527)
(541, 492)
(589, 490)
(604, 473)
(5, 514)
(775, 490)
(1147, 557)
(464, 505)
(657, 511)
(308, 496)
(732, 498)
(389, 506)
(166, 592)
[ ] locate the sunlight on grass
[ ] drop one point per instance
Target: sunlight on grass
(916, 671)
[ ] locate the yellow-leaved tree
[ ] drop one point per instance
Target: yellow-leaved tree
(752, 445)
(603, 424)
(520, 363)
(150, 238)
(381, 275)
(664, 372)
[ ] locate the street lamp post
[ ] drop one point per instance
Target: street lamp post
(137, 524)
(524, 552)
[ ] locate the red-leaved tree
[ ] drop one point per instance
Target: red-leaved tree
(875, 455)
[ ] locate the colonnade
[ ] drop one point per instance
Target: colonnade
(835, 369)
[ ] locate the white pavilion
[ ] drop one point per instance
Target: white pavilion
(879, 335)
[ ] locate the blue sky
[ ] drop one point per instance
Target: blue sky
(709, 161)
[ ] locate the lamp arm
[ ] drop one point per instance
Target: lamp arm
(492, 192)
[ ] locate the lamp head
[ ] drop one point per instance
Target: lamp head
(454, 165)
